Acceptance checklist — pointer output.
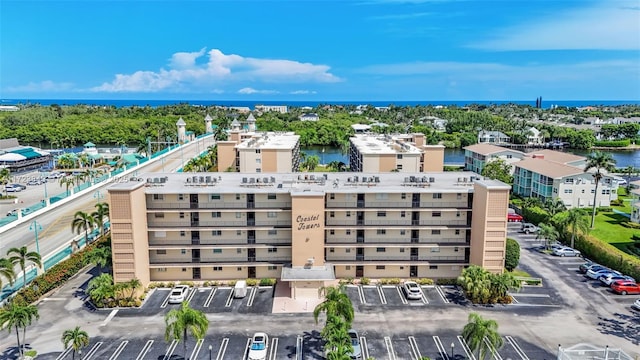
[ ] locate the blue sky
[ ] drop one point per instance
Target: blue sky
(425, 50)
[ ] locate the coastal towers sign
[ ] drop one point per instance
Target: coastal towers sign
(307, 233)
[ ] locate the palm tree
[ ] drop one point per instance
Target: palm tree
(5, 176)
(101, 289)
(185, 320)
(336, 302)
(18, 316)
(82, 222)
(481, 335)
(528, 203)
(336, 335)
(133, 285)
(6, 271)
(102, 210)
(67, 182)
(100, 256)
(476, 282)
(554, 206)
(20, 256)
(548, 233)
(77, 338)
(576, 221)
(629, 170)
(599, 161)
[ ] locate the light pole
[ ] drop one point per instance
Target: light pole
(210, 348)
(80, 353)
(35, 227)
(452, 346)
(46, 195)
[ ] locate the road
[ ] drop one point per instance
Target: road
(56, 222)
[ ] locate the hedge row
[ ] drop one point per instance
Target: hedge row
(613, 143)
(608, 255)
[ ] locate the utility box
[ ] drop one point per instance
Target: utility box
(240, 290)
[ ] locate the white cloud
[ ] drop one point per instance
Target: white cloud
(610, 25)
(303, 92)
(249, 91)
(185, 73)
(47, 85)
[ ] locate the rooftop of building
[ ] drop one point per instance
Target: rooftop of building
(310, 183)
(557, 156)
(270, 140)
(489, 149)
(548, 168)
(384, 144)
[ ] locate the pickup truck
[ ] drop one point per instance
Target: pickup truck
(529, 228)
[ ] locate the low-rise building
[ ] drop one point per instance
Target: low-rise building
(493, 137)
(277, 108)
(478, 155)
(309, 117)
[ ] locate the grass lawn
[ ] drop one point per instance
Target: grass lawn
(626, 207)
(609, 229)
(521, 273)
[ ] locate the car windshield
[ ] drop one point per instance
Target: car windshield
(258, 346)
(176, 293)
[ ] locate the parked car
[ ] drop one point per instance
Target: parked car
(595, 274)
(178, 294)
(586, 266)
(636, 304)
(355, 343)
(33, 182)
(412, 290)
(258, 346)
(565, 251)
(609, 279)
(624, 287)
(12, 188)
(595, 268)
(513, 217)
(529, 228)
(55, 175)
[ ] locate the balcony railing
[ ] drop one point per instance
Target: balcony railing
(218, 205)
(218, 223)
(399, 204)
(407, 222)
(212, 262)
(398, 241)
(406, 258)
(206, 243)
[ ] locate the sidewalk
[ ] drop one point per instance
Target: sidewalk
(284, 304)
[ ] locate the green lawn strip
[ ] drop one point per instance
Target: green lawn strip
(610, 230)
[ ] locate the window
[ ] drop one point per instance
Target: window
(180, 197)
(437, 195)
(332, 232)
(257, 151)
(457, 232)
(457, 213)
(273, 250)
(455, 249)
(272, 214)
(399, 156)
(435, 232)
(272, 267)
(258, 161)
(436, 214)
(184, 269)
(332, 196)
(239, 268)
(381, 231)
(161, 270)
(258, 170)
(399, 167)
(348, 213)
(382, 213)
(509, 156)
(433, 267)
(216, 233)
(332, 214)
(379, 267)
(347, 232)
(181, 215)
(593, 191)
(402, 232)
(238, 215)
(381, 250)
(332, 250)
(238, 251)
(271, 196)
(568, 181)
(238, 232)
(458, 196)
(403, 214)
(158, 197)
(217, 251)
(161, 252)
(183, 251)
(183, 233)
(348, 267)
(237, 196)
(272, 232)
(583, 191)
(159, 215)
(217, 268)
(215, 196)
(435, 249)
(216, 214)
(401, 250)
(403, 196)
(568, 191)
(347, 250)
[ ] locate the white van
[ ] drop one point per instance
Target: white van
(240, 290)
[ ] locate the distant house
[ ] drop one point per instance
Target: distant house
(478, 155)
(360, 128)
(493, 137)
(309, 117)
(534, 137)
(437, 123)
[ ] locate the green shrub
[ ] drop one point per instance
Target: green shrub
(365, 281)
(31, 353)
(604, 209)
(617, 202)
(613, 143)
(267, 282)
(425, 281)
(608, 255)
(512, 255)
(346, 281)
(232, 283)
(536, 215)
(630, 225)
(252, 282)
(188, 283)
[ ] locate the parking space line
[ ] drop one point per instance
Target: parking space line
(223, 349)
(64, 353)
(196, 349)
(273, 349)
(363, 300)
(364, 348)
(246, 349)
(252, 296)
(383, 298)
(119, 350)
(513, 299)
(191, 295)
(144, 350)
(111, 315)
(229, 299)
(517, 347)
(466, 349)
(212, 293)
(423, 297)
(493, 351)
(93, 350)
(402, 297)
(169, 353)
(166, 301)
(442, 295)
(414, 348)
(441, 349)
(389, 345)
(299, 346)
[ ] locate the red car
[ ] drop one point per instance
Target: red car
(512, 217)
(625, 287)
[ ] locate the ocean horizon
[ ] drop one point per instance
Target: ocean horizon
(546, 104)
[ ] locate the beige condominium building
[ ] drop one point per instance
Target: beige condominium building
(306, 229)
(405, 153)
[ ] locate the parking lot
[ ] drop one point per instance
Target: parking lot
(363, 296)
(437, 346)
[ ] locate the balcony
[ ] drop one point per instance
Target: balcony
(405, 259)
(216, 243)
(397, 205)
(169, 261)
(218, 223)
(162, 205)
(406, 222)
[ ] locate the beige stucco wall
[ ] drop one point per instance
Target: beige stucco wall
(226, 155)
(433, 158)
(222, 272)
(399, 271)
(269, 160)
(307, 233)
(489, 227)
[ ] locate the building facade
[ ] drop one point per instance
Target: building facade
(478, 155)
(255, 152)
(306, 229)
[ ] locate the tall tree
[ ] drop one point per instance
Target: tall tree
(554, 206)
(67, 182)
(498, 170)
(15, 316)
(548, 233)
(6, 272)
(512, 254)
(20, 256)
(76, 338)
(179, 322)
(481, 335)
(576, 222)
(336, 302)
(82, 222)
(600, 162)
(102, 211)
(5, 177)
(100, 256)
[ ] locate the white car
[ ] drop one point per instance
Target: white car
(178, 294)
(608, 279)
(565, 251)
(591, 274)
(258, 346)
(412, 290)
(529, 228)
(636, 304)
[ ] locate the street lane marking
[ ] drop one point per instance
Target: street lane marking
(364, 348)
(229, 299)
(530, 295)
(414, 348)
(169, 353)
(493, 351)
(64, 353)
(517, 347)
(210, 297)
(402, 298)
(196, 349)
(466, 349)
(119, 350)
(252, 296)
(383, 298)
(441, 349)
(111, 315)
(223, 349)
(389, 345)
(246, 349)
(363, 300)
(442, 295)
(273, 349)
(299, 346)
(144, 350)
(92, 351)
